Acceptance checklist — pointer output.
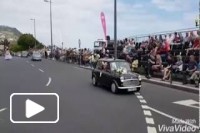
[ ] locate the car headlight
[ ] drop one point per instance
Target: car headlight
(122, 79)
(139, 78)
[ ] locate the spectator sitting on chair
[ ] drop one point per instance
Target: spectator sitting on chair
(195, 43)
(178, 66)
(158, 64)
(134, 64)
(167, 69)
(191, 68)
(196, 75)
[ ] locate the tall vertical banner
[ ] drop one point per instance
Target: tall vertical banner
(103, 21)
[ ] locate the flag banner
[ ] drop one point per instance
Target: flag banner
(103, 21)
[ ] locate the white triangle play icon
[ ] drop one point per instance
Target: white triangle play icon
(33, 108)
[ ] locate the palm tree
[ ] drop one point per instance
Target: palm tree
(6, 43)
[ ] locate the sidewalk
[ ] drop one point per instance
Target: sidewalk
(157, 81)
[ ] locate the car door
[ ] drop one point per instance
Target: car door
(106, 75)
(98, 71)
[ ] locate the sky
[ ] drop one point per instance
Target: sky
(80, 19)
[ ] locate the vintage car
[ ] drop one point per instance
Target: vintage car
(115, 74)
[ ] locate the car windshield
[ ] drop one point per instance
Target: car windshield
(120, 66)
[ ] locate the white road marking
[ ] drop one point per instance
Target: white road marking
(174, 118)
(41, 70)
(32, 65)
(188, 103)
(151, 130)
(143, 101)
(3, 109)
(49, 82)
(78, 68)
(137, 93)
(149, 120)
(147, 113)
(140, 97)
(145, 107)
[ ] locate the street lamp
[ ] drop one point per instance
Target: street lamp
(50, 25)
(79, 45)
(34, 30)
(115, 28)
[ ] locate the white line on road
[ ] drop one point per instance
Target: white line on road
(140, 97)
(1, 110)
(32, 65)
(174, 118)
(49, 82)
(149, 120)
(145, 107)
(137, 93)
(151, 130)
(143, 101)
(41, 70)
(147, 113)
(188, 103)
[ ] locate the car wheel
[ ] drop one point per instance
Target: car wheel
(94, 81)
(114, 88)
(138, 89)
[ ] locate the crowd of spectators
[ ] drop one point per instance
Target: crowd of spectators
(167, 54)
(172, 53)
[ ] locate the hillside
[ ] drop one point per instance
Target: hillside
(12, 34)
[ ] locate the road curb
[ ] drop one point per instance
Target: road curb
(88, 68)
(173, 86)
(165, 84)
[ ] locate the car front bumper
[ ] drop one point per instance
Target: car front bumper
(130, 87)
(133, 88)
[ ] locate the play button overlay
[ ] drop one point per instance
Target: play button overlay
(34, 108)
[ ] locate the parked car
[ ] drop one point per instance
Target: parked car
(36, 56)
(18, 54)
(115, 74)
(24, 54)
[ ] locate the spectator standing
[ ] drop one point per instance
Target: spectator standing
(46, 54)
(151, 60)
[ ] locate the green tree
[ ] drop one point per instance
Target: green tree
(16, 48)
(26, 41)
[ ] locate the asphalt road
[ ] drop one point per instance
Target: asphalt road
(88, 109)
